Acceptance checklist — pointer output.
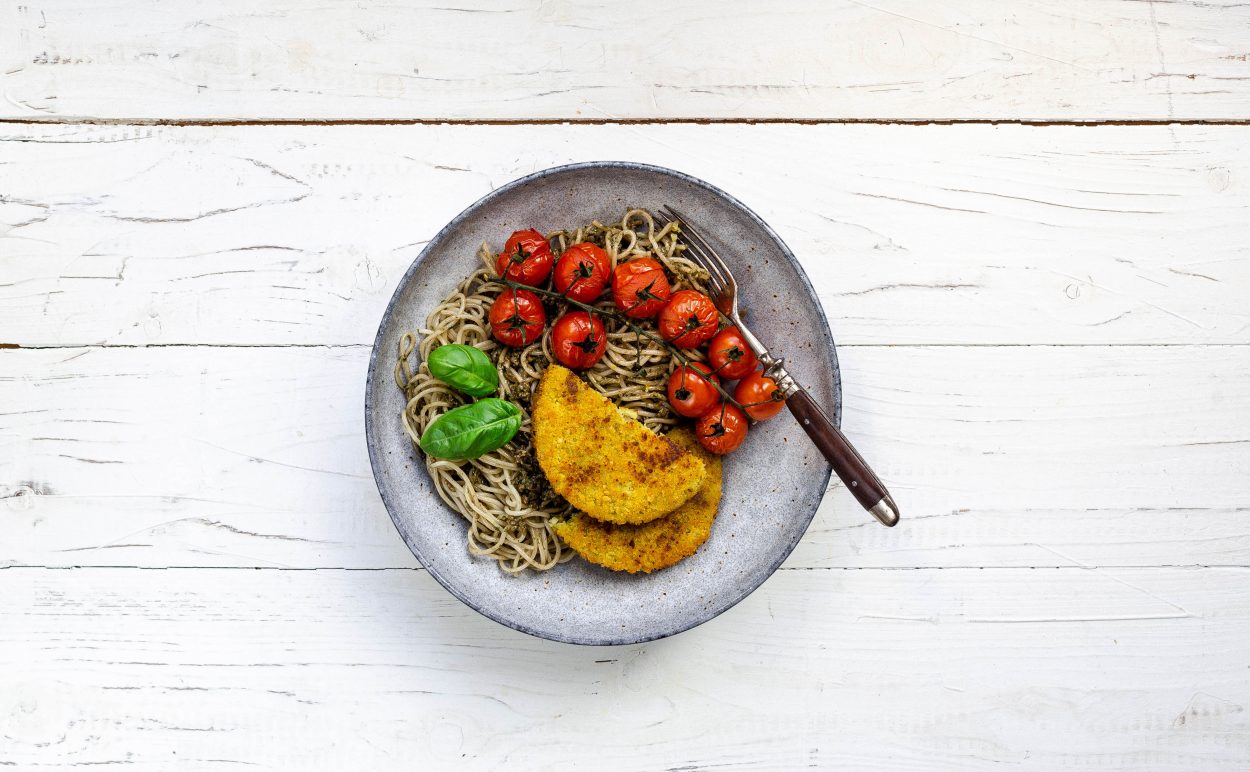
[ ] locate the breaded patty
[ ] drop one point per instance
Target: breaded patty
(659, 543)
(610, 467)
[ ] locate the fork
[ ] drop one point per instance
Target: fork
(860, 480)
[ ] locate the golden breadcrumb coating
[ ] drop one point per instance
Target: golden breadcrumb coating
(610, 467)
(659, 543)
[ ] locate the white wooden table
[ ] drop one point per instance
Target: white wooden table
(1029, 224)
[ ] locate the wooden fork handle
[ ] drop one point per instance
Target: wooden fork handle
(861, 481)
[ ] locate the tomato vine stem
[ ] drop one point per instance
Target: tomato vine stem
(615, 314)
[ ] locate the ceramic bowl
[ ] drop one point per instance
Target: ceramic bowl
(772, 484)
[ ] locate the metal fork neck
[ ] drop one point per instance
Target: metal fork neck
(775, 369)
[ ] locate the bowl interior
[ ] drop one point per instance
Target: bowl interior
(773, 483)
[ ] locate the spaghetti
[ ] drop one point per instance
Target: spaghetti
(503, 494)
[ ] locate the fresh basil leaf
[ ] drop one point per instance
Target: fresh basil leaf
(471, 430)
(465, 368)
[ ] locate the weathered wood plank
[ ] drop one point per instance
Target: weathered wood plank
(888, 59)
(915, 670)
(955, 234)
(1014, 456)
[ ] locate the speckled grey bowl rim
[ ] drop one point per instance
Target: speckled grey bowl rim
(375, 451)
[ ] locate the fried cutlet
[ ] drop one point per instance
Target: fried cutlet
(659, 543)
(610, 467)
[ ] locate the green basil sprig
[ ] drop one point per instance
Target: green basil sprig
(465, 368)
(471, 430)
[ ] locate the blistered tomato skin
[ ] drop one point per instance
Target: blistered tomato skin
(691, 392)
(517, 318)
(578, 340)
(689, 319)
(640, 288)
(760, 396)
(730, 355)
(722, 429)
(582, 272)
(526, 258)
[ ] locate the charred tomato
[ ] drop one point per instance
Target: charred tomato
(689, 320)
(640, 288)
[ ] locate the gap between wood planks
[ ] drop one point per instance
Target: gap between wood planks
(612, 122)
(83, 121)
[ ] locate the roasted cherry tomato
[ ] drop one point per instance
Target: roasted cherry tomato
(526, 258)
(689, 320)
(722, 429)
(690, 390)
(578, 340)
(730, 356)
(759, 396)
(640, 288)
(582, 272)
(517, 318)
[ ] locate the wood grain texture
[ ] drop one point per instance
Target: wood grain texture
(1015, 456)
(955, 234)
(919, 670)
(1043, 334)
(885, 59)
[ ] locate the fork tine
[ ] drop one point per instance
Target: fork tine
(664, 220)
(698, 249)
(696, 237)
(693, 234)
(719, 284)
(697, 253)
